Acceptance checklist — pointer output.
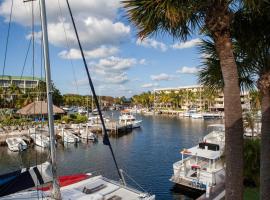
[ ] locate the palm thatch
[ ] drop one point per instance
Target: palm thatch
(39, 108)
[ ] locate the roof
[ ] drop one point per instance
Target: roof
(204, 153)
(179, 88)
(39, 107)
(29, 78)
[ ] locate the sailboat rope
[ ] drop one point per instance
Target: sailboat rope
(7, 39)
(132, 179)
(68, 46)
(106, 140)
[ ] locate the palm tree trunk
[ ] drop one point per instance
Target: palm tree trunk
(265, 147)
(233, 119)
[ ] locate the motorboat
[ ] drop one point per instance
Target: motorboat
(126, 118)
(190, 112)
(203, 165)
(16, 144)
(196, 115)
(87, 134)
(40, 140)
(69, 137)
(82, 110)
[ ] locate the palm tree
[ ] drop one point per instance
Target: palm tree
(182, 18)
(257, 47)
(253, 56)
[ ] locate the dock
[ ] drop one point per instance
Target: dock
(23, 134)
(113, 128)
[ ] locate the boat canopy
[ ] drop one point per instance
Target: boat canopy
(204, 153)
(24, 179)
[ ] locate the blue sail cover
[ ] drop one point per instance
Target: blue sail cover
(24, 179)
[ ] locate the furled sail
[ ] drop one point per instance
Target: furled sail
(24, 179)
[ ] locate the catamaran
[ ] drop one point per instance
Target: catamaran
(28, 183)
(201, 166)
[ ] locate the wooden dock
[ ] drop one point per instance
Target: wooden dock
(113, 128)
(23, 134)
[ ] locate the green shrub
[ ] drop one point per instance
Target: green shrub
(252, 162)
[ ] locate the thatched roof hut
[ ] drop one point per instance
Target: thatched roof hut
(39, 108)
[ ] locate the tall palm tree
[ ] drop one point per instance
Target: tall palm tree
(181, 18)
(252, 51)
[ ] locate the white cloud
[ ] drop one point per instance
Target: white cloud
(161, 77)
(96, 21)
(185, 45)
(81, 9)
(113, 70)
(100, 52)
(149, 85)
(114, 64)
(188, 70)
(142, 62)
(151, 43)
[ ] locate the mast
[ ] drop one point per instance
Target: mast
(55, 185)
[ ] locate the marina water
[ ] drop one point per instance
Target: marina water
(145, 154)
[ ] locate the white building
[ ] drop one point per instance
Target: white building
(22, 82)
(193, 97)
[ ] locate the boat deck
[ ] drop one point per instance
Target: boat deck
(95, 188)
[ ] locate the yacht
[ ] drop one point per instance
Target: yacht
(16, 144)
(127, 118)
(201, 166)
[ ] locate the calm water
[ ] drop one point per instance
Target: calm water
(146, 154)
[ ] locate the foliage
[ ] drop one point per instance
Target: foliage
(252, 162)
(75, 118)
(251, 194)
(12, 121)
(146, 99)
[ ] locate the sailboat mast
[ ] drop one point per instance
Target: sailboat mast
(55, 185)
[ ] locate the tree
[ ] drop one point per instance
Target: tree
(252, 52)
(181, 18)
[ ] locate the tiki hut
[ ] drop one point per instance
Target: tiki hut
(39, 108)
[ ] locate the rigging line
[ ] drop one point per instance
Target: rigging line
(106, 140)
(33, 68)
(25, 59)
(7, 39)
(68, 47)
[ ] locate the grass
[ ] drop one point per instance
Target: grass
(251, 194)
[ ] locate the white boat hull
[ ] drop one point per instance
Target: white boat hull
(95, 188)
(39, 140)
(16, 144)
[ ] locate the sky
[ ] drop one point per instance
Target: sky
(120, 64)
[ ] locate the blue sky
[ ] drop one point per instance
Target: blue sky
(120, 64)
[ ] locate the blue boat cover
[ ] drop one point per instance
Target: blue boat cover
(24, 179)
